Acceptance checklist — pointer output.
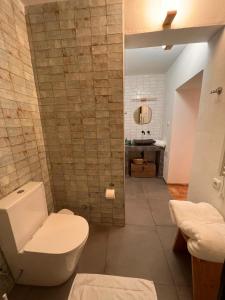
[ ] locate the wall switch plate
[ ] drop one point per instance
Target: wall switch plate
(217, 184)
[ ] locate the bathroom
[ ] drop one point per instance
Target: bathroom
(62, 119)
(148, 76)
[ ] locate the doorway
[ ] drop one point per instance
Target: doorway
(165, 91)
(184, 127)
(156, 79)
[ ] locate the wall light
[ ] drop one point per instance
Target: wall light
(170, 8)
(169, 18)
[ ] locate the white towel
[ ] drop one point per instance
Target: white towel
(160, 143)
(195, 212)
(203, 225)
(206, 241)
(106, 287)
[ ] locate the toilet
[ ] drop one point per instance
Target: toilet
(40, 249)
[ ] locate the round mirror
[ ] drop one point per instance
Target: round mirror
(143, 114)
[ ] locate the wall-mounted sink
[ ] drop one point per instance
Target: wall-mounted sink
(146, 142)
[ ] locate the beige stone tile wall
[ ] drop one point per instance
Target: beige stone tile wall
(22, 151)
(77, 52)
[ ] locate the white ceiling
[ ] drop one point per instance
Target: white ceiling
(193, 83)
(171, 37)
(150, 60)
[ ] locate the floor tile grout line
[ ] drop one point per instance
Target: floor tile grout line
(171, 273)
(145, 195)
(106, 250)
(153, 227)
(176, 287)
(149, 203)
(172, 276)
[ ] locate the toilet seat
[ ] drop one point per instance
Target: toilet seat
(60, 233)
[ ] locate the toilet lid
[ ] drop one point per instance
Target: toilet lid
(59, 234)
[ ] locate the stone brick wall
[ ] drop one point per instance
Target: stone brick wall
(77, 52)
(22, 151)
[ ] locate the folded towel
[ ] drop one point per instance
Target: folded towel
(107, 287)
(202, 212)
(160, 143)
(206, 241)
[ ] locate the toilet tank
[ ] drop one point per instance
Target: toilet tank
(21, 214)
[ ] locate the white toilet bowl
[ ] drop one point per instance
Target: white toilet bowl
(40, 249)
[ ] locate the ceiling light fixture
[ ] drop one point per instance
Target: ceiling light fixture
(170, 8)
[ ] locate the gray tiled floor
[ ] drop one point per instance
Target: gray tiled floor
(143, 248)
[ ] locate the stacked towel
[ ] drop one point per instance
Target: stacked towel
(206, 241)
(196, 212)
(160, 143)
(204, 226)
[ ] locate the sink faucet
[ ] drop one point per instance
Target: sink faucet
(143, 132)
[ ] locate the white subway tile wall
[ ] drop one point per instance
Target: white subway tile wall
(150, 86)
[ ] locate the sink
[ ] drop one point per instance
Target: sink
(146, 142)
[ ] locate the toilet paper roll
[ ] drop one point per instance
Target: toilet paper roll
(110, 194)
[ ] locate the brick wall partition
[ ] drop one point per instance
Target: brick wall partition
(77, 53)
(22, 151)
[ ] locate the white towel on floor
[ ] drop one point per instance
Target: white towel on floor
(195, 212)
(106, 287)
(206, 241)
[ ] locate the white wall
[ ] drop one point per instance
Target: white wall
(152, 85)
(190, 62)
(211, 129)
(186, 109)
(150, 60)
